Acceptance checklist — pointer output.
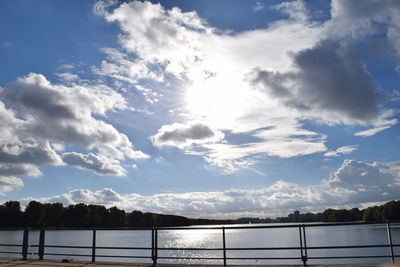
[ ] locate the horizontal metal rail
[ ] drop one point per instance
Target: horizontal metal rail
(123, 256)
(303, 248)
(58, 246)
(131, 248)
(265, 258)
(190, 258)
(183, 248)
(359, 246)
(354, 257)
(10, 252)
(67, 254)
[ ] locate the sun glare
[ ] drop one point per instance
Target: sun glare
(215, 101)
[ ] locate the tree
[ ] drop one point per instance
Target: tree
(77, 215)
(390, 210)
(11, 214)
(98, 216)
(34, 214)
(116, 217)
(53, 214)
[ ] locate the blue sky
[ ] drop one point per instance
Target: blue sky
(218, 109)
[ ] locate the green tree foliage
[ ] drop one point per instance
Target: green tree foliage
(388, 211)
(391, 211)
(10, 214)
(116, 217)
(98, 216)
(53, 215)
(343, 215)
(34, 214)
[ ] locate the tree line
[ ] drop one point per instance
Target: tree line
(38, 214)
(388, 211)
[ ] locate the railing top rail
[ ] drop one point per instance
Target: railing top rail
(217, 227)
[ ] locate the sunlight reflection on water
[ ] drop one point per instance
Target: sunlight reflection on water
(207, 238)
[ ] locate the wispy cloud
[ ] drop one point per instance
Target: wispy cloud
(373, 131)
(344, 150)
(258, 6)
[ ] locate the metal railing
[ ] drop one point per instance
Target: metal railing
(303, 248)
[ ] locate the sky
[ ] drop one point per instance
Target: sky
(212, 109)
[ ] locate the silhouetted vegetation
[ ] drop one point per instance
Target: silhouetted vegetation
(388, 211)
(37, 214)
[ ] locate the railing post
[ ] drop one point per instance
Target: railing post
(25, 244)
(94, 246)
(301, 243)
(305, 257)
(224, 245)
(152, 245)
(41, 244)
(154, 242)
(390, 240)
(302, 235)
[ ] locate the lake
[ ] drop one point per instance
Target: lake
(348, 235)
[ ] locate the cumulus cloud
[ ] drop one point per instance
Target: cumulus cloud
(353, 184)
(153, 33)
(364, 182)
(181, 135)
(343, 150)
(39, 119)
(329, 79)
(357, 19)
(98, 164)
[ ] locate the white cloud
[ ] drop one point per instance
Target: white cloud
(182, 135)
(296, 10)
(68, 76)
(258, 6)
(341, 91)
(386, 124)
(98, 164)
(285, 142)
(358, 19)
(373, 131)
(343, 150)
(353, 184)
(39, 119)
(8, 183)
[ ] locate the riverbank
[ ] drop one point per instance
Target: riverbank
(10, 262)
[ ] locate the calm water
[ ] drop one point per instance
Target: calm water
(316, 236)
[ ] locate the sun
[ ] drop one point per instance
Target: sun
(215, 100)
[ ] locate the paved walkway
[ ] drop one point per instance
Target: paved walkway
(7, 262)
